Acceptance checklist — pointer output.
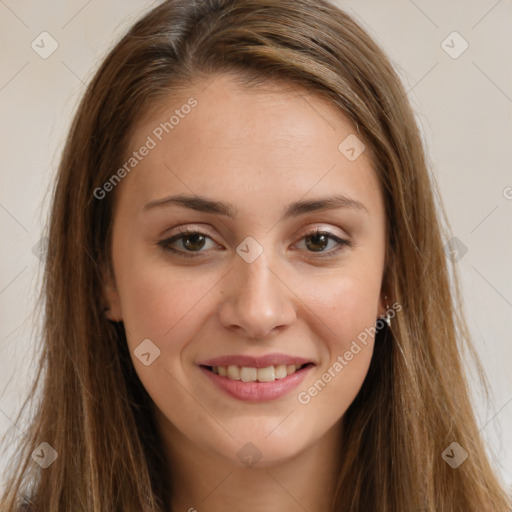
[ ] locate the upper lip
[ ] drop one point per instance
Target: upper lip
(255, 361)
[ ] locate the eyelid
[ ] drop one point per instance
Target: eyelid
(312, 231)
(182, 233)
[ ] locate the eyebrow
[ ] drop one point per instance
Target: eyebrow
(205, 205)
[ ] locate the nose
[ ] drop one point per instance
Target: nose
(257, 300)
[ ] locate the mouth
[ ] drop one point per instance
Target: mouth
(252, 374)
(256, 384)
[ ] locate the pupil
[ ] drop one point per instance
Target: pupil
(194, 237)
(316, 237)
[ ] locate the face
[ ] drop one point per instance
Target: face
(247, 330)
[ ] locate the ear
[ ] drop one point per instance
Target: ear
(388, 275)
(382, 304)
(110, 299)
(385, 301)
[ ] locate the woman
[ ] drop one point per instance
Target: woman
(204, 346)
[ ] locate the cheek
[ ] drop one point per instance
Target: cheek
(349, 310)
(166, 306)
(161, 303)
(157, 297)
(347, 302)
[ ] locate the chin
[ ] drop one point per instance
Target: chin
(260, 451)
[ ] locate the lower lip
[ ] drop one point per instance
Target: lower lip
(258, 391)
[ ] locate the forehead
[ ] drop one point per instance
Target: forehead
(263, 144)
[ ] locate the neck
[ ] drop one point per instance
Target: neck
(206, 482)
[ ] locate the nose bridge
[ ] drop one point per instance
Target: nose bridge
(258, 300)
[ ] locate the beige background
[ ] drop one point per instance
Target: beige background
(464, 107)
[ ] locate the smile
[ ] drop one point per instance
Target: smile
(251, 384)
(252, 374)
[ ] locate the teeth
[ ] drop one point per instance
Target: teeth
(267, 374)
(281, 371)
(250, 374)
(233, 373)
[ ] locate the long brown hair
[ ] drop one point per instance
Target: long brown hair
(414, 403)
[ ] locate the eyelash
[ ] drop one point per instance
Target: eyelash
(165, 244)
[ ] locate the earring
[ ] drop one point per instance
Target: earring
(387, 317)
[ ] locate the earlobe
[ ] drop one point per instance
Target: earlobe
(382, 307)
(111, 306)
(384, 303)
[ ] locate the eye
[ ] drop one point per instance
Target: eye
(318, 240)
(194, 240)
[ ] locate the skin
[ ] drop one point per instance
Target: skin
(258, 149)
